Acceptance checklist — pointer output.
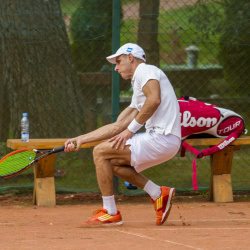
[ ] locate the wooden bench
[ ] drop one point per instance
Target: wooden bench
(220, 189)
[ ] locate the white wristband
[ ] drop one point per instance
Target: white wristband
(134, 126)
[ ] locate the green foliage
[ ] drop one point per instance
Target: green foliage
(69, 6)
(91, 32)
(178, 30)
(229, 21)
(234, 51)
(198, 26)
(132, 27)
(207, 17)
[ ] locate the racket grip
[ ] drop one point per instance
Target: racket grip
(59, 149)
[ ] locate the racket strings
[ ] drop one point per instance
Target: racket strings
(16, 161)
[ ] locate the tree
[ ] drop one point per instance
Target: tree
(91, 32)
(148, 30)
(4, 104)
(38, 69)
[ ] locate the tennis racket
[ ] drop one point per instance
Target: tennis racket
(20, 160)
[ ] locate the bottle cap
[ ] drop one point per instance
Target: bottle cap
(25, 114)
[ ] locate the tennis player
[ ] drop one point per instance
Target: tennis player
(127, 153)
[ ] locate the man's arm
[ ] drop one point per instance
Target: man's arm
(152, 92)
(127, 114)
(104, 132)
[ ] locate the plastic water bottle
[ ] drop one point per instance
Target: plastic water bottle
(25, 128)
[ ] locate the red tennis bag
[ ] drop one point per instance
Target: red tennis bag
(199, 119)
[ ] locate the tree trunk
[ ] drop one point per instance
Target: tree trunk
(38, 69)
(148, 30)
(4, 102)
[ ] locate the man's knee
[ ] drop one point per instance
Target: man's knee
(103, 151)
(98, 152)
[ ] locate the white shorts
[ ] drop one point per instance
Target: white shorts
(150, 149)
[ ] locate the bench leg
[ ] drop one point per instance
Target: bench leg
(220, 181)
(222, 188)
(44, 193)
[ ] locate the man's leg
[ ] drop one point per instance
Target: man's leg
(128, 173)
(102, 155)
(111, 161)
(162, 197)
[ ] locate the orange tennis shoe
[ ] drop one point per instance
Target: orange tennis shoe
(163, 204)
(102, 218)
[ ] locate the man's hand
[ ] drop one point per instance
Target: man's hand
(120, 139)
(72, 145)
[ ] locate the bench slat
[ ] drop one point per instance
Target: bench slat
(244, 140)
(56, 142)
(43, 143)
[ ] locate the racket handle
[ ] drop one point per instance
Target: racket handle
(59, 149)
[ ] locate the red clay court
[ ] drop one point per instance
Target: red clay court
(194, 223)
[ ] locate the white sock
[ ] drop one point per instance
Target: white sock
(109, 204)
(153, 190)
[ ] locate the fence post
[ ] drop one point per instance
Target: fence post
(115, 75)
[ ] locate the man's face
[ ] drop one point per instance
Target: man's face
(123, 66)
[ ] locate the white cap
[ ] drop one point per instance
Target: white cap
(128, 48)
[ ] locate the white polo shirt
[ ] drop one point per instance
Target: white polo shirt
(166, 119)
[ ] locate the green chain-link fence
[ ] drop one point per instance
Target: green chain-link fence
(53, 66)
